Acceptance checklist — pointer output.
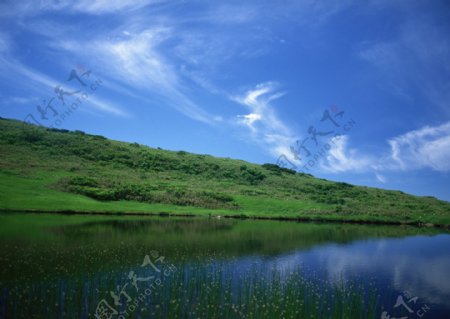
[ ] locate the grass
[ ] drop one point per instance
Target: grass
(57, 170)
(197, 290)
(202, 291)
(21, 194)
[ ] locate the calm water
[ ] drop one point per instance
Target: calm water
(55, 266)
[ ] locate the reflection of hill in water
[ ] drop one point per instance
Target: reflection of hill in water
(229, 237)
(133, 226)
(57, 244)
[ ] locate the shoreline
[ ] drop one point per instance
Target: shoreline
(314, 219)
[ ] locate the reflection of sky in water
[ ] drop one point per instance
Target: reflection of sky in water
(419, 265)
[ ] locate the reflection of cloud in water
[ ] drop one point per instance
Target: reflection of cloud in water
(401, 262)
(429, 279)
(420, 265)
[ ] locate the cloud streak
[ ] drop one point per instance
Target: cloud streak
(428, 147)
(17, 72)
(265, 126)
(424, 148)
(94, 7)
(135, 61)
(340, 158)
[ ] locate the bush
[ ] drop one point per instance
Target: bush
(83, 181)
(106, 190)
(278, 170)
(98, 137)
(58, 130)
(32, 136)
(343, 185)
(253, 176)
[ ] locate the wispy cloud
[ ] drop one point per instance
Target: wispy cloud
(425, 148)
(262, 121)
(134, 60)
(232, 14)
(107, 106)
(135, 52)
(381, 178)
(413, 57)
(40, 83)
(386, 55)
(96, 7)
(340, 158)
(15, 100)
(428, 147)
(4, 42)
(108, 6)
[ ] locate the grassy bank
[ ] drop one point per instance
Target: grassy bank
(60, 171)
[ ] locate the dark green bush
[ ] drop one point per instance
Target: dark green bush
(252, 176)
(32, 136)
(83, 181)
(278, 169)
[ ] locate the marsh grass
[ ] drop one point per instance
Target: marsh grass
(198, 290)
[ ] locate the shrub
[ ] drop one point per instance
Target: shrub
(32, 136)
(253, 176)
(82, 181)
(58, 130)
(278, 169)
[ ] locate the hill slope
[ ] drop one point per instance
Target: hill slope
(56, 170)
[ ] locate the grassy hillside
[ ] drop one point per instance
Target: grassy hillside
(57, 170)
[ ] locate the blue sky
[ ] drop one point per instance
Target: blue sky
(355, 91)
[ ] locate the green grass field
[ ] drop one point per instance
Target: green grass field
(53, 170)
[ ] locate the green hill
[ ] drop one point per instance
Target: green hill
(44, 169)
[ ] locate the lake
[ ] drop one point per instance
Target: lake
(91, 266)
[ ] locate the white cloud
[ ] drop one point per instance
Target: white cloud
(4, 43)
(428, 147)
(107, 6)
(135, 53)
(44, 85)
(380, 178)
(20, 100)
(265, 126)
(249, 119)
(31, 7)
(233, 14)
(135, 61)
(106, 106)
(425, 148)
(340, 158)
(384, 54)
(417, 51)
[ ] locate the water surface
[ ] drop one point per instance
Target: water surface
(56, 266)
